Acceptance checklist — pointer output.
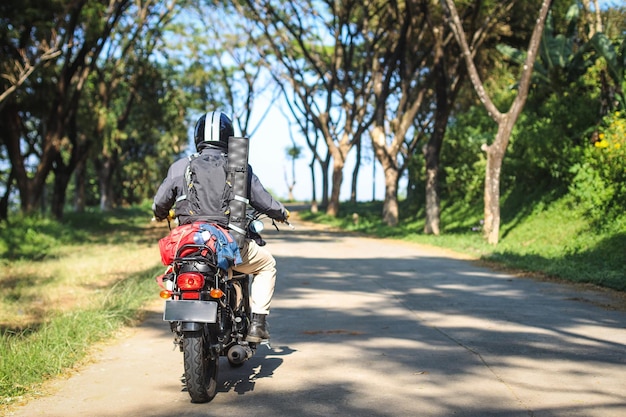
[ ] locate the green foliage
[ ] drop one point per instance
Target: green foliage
(547, 139)
(560, 60)
(599, 184)
(35, 238)
(615, 56)
(462, 158)
(32, 238)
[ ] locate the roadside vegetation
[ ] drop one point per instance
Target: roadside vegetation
(555, 240)
(68, 285)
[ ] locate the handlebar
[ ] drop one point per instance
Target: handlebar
(252, 215)
(171, 215)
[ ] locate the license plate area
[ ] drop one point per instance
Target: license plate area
(190, 310)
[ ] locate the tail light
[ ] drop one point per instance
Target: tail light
(190, 281)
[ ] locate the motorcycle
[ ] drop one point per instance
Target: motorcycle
(208, 309)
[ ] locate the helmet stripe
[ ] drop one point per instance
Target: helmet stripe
(215, 126)
(207, 132)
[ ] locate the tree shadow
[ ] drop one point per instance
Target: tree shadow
(398, 332)
(428, 322)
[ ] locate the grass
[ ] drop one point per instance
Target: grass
(65, 286)
(550, 239)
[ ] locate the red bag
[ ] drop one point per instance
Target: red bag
(181, 235)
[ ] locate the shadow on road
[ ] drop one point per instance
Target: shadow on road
(371, 328)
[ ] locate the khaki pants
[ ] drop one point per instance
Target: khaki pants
(259, 262)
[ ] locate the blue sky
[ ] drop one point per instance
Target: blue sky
(269, 161)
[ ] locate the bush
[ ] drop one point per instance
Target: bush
(599, 185)
(29, 238)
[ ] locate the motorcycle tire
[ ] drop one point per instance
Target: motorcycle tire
(201, 368)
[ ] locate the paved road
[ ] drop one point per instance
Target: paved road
(375, 328)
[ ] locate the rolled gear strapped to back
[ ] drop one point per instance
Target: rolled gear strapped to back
(238, 148)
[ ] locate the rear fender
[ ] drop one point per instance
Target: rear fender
(190, 326)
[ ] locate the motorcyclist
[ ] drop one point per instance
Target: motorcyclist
(211, 134)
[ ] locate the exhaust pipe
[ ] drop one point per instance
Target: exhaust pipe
(239, 354)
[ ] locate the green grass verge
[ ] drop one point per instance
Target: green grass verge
(552, 239)
(66, 332)
(28, 358)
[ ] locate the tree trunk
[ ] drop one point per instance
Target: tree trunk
(105, 175)
(79, 181)
(4, 201)
(324, 166)
(390, 206)
(338, 152)
(433, 147)
(337, 180)
(493, 171)
(431, 226)
(61, 179)
(314, 207)
(389, 163)
(355, 174)
(505, 121)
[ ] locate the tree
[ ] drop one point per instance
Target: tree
(319, 46)
(505, 121)
(21, 58)
(419, 79)
(49, 125)
(312, 137)
(294, 152)
(122, 79)
(225, 72)
(400, 72)
(82, 29)
(449, 75)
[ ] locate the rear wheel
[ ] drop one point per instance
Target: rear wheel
(200, 367)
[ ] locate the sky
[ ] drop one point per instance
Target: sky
(269, 160)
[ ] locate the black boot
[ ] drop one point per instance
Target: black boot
(258, 329)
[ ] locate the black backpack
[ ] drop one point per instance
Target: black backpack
(208, 189)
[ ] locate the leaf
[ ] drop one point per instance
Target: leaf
(511, 53)
(604, 47)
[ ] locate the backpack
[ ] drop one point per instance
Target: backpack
(222, 243)
(208, 189)
(179, 236)
(216, 238)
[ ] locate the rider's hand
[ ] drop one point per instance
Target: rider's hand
(171, 215)
(287, 213)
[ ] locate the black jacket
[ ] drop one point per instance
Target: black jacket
(173, 189)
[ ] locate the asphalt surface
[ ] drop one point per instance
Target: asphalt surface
(377, 328)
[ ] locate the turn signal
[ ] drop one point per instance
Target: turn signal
(165, 294)
(216, 293)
